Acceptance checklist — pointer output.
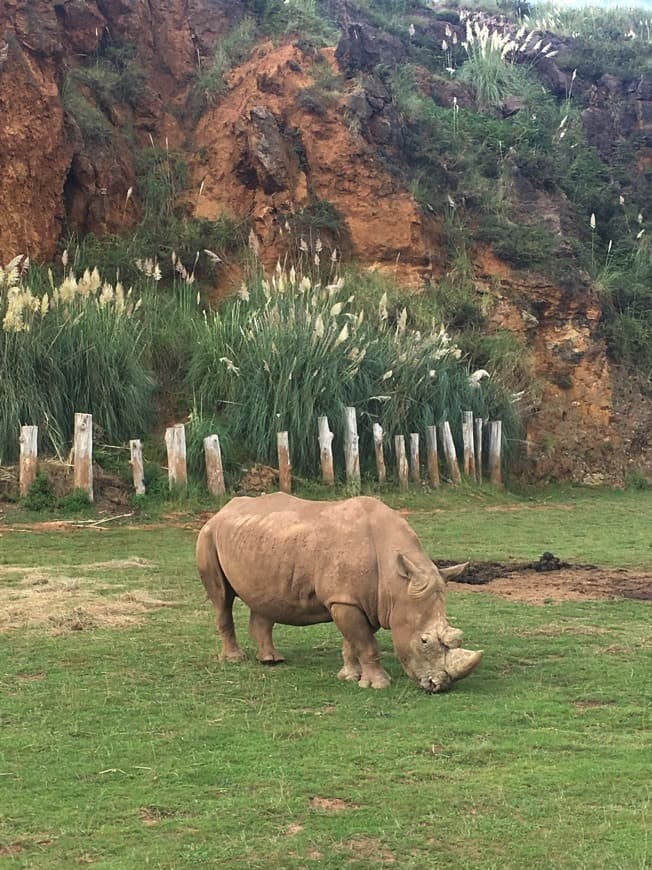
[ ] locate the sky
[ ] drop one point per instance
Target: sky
(607, 4)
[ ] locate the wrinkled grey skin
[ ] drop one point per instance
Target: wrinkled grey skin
(355, 562)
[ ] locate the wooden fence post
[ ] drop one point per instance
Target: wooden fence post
(478, 449)
(495, 445)
(83, 453)
(449, 452)
(175, 441)
(214, 468)
(469, 452)
(284, 464)
(28, 457)
(351, 447)
(415, 472)
(326, 451)
(433, 461)
(401, 462)
(137, 467)
(380, 457)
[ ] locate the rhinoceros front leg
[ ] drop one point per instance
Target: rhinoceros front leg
(260, 629)
(357, 632)
(351, 670)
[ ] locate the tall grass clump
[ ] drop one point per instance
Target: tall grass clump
(490, 68)
(289, 350)
(77, 347)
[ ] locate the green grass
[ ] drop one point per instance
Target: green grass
(133, 747)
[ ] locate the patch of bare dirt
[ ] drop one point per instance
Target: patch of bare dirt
(371, 848)
(591, 705)
(10, 850)
(37, 598)
(331, 805)
(152, 815)
(568, 583)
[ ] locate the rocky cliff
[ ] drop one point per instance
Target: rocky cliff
(297, 125)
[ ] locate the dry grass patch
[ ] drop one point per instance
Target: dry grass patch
(553, 630)
(112, 565)
(50, 599)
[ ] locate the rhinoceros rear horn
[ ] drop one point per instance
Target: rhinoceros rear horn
(454, 571)
(460, 662)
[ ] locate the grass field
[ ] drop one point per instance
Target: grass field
(126, 743)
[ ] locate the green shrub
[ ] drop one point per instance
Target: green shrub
(319, 217)
(304, 18)
(629, 337)
(40, 495)
(636, 480)
(94, 127)
(75, 502)
(520, 244)
(231, 50)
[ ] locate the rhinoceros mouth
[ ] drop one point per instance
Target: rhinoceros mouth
(459, 663)
(434, 687)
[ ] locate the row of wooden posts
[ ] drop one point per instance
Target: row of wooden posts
(473, 430)
(472, 434)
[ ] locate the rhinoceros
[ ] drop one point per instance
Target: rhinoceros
(355, 562)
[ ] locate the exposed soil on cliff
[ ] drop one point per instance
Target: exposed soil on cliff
(270, 151)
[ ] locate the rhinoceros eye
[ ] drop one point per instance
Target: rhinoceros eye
(424, 639)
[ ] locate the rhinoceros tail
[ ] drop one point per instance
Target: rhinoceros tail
(210, 570)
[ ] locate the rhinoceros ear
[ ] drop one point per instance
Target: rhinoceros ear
(406, 568)
(419, 583)
(454, 571)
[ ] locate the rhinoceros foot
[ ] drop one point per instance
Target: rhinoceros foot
(351, 673)
(271, 659)
(379, 680)
(234, 656)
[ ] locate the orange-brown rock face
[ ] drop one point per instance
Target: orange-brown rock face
(266, 156)
(570, 435)
(34, 158)
(46, 173)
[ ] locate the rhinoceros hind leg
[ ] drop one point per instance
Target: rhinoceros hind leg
(260, 629)
(356, 630)
(222, 595)
(351, 670)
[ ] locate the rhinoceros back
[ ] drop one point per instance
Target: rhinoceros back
(290, 559)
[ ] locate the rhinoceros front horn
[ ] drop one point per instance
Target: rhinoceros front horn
(460, 662)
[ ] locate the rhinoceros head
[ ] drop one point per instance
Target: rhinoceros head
(429, 648)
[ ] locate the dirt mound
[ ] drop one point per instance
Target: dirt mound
(258, 478)
(527, 582)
